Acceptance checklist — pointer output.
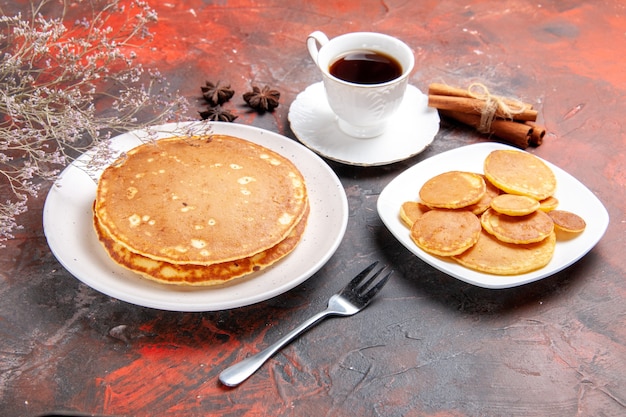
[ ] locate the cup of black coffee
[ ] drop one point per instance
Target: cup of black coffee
(365, 75)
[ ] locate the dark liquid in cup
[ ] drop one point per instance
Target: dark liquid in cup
(366, 67)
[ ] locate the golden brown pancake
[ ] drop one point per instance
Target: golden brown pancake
(492, 256)
(411, 211)
(567, 221)
(197, 275)
(446, 232)
(514, 205)
(518, 172)
(531, 228)
(201, 200)
(548, 204)
(453, 189)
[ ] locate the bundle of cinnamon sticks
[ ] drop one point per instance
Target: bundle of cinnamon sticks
(510, 120)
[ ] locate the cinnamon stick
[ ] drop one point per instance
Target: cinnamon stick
(517, 134)
(475, 106)
(536, 136)
(438, 89)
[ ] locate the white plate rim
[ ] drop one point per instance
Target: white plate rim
(411, 129)
(405, 187)
(72, 240)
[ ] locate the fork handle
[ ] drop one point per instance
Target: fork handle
(239, 372)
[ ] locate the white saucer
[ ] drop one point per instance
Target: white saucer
(409, 132)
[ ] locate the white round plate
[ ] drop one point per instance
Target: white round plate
(571, 193)
(411, 129)
(67, 221)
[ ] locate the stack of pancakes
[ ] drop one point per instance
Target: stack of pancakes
(201, 210)
(503, 221)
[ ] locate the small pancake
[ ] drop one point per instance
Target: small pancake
(491, 191)
(200, 200)
(411, 211)
(531, 228)
(518, 172)
(199, 275)
(514, 205)
(567, 221)
(446, 232)
(548, 204)
(452, 190)
(492, 256)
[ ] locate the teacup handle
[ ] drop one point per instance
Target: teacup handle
(314, 42)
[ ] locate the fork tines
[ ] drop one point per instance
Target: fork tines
(361, 288)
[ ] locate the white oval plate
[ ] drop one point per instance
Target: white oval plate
(67, 221)
(411, 129)
(571, 193)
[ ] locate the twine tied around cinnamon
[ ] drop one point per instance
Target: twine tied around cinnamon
(493, 105)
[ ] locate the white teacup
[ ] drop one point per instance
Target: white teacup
(363, 109)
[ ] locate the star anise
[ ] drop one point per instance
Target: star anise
(262, 100)
(218, 114)
(217, 93)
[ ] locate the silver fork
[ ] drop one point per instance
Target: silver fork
(354, 297)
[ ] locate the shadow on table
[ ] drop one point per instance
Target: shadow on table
(423, 280)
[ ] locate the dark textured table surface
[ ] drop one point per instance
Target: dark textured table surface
(430, 345)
